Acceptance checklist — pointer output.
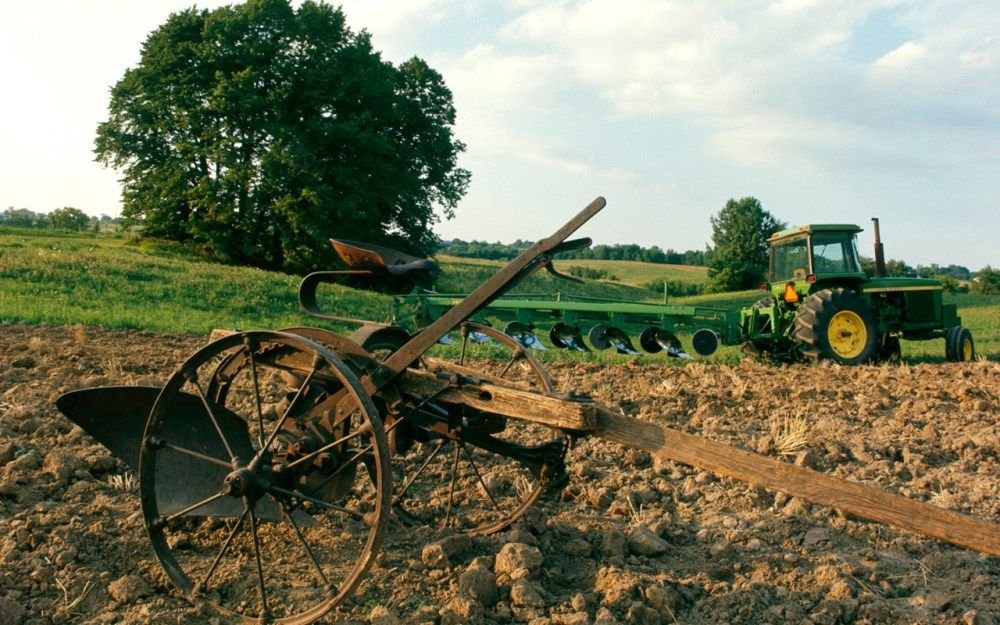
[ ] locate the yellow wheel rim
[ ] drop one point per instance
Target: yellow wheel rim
(967, 350)
(847, 334)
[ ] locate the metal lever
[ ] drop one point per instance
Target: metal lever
(552, 270)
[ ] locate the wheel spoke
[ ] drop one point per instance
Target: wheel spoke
(261, 586)
(256, 397)
(479, 477)
(193, 507)
(288, 412)
(465, 342)
(325, 448)
(344, 465)
(305, 546)
(211, 415)
(451, 486)
(409, 481)
(198, 455)
(319, 502)
(503, 372)
(203, 584)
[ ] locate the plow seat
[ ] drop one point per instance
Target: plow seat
(377, 258)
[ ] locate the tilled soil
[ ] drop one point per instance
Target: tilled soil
(631, 539)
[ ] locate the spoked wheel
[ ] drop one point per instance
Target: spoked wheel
(259, 497)
(473, 472)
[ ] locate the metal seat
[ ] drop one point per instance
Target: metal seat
(376, 258)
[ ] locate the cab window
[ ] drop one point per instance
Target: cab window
(834, 253)
(789, 259)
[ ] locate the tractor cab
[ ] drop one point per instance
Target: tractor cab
(812, 257)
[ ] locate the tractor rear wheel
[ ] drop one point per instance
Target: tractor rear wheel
(958, 345)
(837, 325)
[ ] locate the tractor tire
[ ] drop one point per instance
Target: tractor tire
(836, 325)
(958, 345)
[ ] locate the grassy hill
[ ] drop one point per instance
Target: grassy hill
(626, 272)
(114, 282)
(60, 278)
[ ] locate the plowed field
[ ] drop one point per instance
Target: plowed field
(631, 539)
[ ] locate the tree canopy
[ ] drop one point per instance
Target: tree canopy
(738, 258)
(69, 218)
(986, 281)
(259, 131)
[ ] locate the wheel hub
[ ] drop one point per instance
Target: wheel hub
(244, 482)
(847, 334)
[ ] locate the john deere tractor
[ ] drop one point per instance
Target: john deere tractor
(822, 305)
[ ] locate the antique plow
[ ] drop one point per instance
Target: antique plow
(270, 463)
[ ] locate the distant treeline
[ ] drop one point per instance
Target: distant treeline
(65, 218)
(508, 251)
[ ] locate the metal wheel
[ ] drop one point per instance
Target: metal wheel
(836, 324)
(469, 471)
(259, 497)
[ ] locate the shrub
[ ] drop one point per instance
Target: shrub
(675, 288)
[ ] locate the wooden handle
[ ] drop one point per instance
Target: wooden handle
(864, 501)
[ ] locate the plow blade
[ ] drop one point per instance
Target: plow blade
(523, 333)
(116, 416)
(567, 337)
(863, 501)
(604, 336)
(654, 340)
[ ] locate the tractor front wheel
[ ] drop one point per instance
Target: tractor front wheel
(958, 345)
(837, 325)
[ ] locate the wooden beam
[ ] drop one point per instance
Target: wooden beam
(864, 501)
(556, 412)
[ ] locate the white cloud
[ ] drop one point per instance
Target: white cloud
(904, 58)
(721, 64)
(388, 19)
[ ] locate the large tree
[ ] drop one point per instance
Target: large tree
(739, 254)
(259, 131)
(68, 218)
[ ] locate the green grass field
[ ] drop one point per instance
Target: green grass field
(626, 272)
(99, 280)
(114, 283)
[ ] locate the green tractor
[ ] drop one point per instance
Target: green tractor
(822, 305)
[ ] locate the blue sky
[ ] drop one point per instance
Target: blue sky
(826, 111)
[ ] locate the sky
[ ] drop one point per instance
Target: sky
(827, 111)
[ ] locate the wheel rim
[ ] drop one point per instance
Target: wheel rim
(847, 334)
(967, 349)
(460, 478)
(286, 526)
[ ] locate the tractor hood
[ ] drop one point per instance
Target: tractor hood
(877, 285)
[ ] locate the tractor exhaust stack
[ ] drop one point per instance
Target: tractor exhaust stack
(880, 270)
